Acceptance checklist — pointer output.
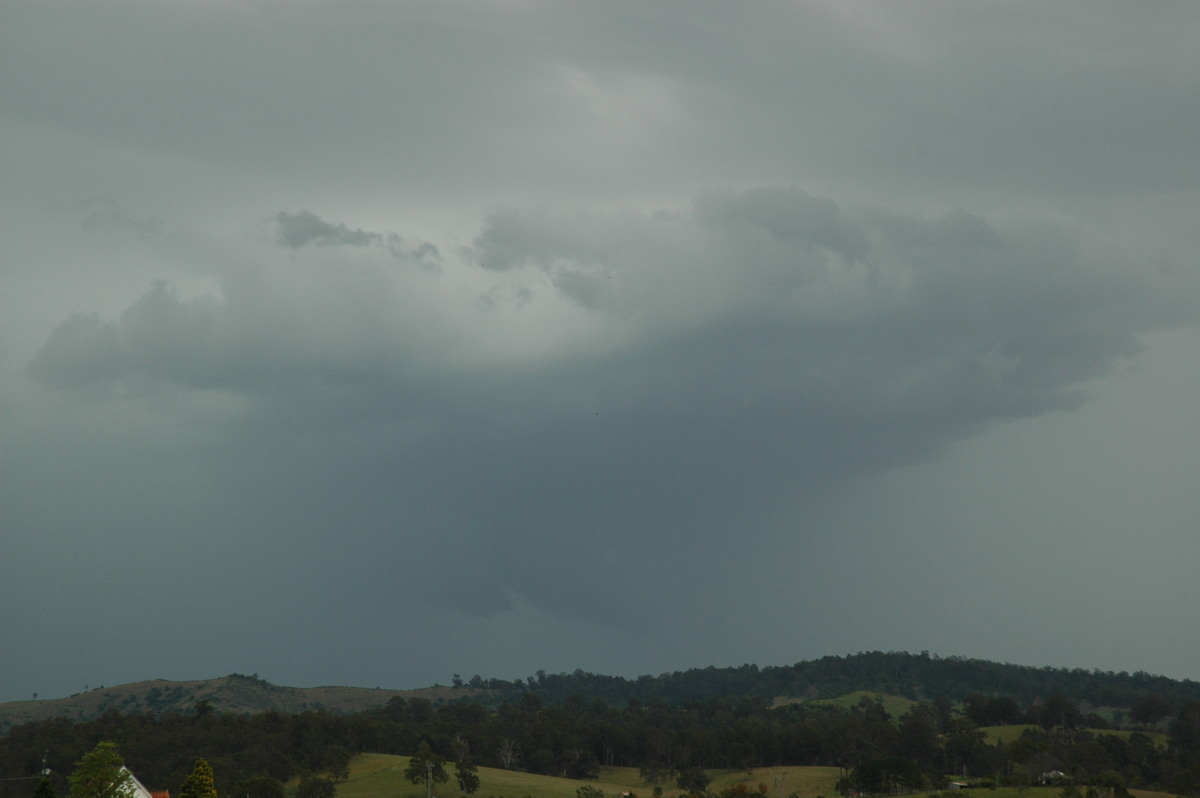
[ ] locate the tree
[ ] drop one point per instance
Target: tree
(426, 766)
(199, 783)
(693, 780)
(656, 772)
(1185, 733)
(45, 789)
(918, 737)
(101, 773)
(1149, 709)
(467, 776)
(886, 775)
(1110, 783)
(964, 745)
(507, 753)
(581, 764)
(337, 762)
(1058, 711)
(259, 787)
(315, 787)
(420, 710)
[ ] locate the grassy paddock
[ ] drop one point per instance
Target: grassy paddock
(1036, 792)
(1004, 734)
(807, 782)
(382, 776)
(1007, 734)
(894, 705)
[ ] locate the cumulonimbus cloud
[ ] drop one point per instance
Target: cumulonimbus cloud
(756, 342)
(794, 295)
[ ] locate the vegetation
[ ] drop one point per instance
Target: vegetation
(101, 773)
(426, 767)
(315, 787)
(746, 743)
(199, 784)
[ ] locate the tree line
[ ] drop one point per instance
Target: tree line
(673, 744)
(920, 677)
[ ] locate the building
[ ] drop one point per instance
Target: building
(139, 789)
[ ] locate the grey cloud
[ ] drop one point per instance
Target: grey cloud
(790, 215)
(577, 252)
(762, 345)
(157, 338)
(771, 408)
(820, 95)
(301, 229)
(512, 238)
(949, 312)
(297, 230)
(425, 253)
(105, 214)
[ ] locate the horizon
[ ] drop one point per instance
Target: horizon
(628, 677)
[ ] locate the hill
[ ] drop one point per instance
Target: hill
(899, 675)
(917, 677)
(234, 693)
(248, 729)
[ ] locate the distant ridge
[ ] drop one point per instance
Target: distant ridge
(917, 677)
(234, 693)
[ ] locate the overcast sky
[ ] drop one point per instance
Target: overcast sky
(368, 343)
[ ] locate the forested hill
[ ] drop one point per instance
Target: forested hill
(236, 693)
(919, 677)
(1105, 729)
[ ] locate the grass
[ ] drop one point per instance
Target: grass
(807, 782)
(1004, 734)
(1007, 734)
(894, 705)
(382, 776)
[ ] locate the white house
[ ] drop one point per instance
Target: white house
(139, 789)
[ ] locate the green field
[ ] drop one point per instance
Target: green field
(1006, 734)
(382, 776)
(892, 704)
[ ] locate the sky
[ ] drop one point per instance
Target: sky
(366, 343)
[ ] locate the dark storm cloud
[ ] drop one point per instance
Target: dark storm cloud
(296, 230)
(301, 229)
(762, 344)
(430, 333)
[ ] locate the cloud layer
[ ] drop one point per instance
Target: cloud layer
(368, 344)
(599, 382)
